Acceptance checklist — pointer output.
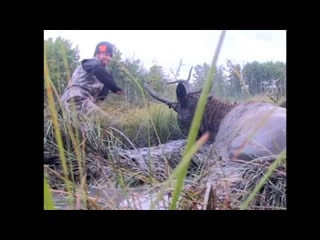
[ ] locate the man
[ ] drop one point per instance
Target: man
(90, 83)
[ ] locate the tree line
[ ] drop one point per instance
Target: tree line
(230, 81)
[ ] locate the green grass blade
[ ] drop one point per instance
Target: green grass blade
(180, 171)
(48, 201)
(196, 121)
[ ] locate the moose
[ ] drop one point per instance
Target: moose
(239, 131)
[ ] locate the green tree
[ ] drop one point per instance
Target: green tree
(158, 81)
(200, 74)
(233, 80)
(218, 87)
(62, 60)
(156, 78)
(265, 78)
(133, 67)
(219, 83)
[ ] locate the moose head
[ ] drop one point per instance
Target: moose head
(186, 105)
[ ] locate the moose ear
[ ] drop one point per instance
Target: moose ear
(181, 92)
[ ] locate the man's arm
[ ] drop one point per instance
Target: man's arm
(91, 65)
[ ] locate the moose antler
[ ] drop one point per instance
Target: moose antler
(152, 94)
(183, 81)
(163, 100)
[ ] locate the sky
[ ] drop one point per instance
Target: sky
(167, 47)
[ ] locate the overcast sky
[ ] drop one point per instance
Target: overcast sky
(167, 47)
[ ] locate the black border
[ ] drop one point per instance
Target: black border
(26, 133)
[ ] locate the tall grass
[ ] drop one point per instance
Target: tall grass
(49, 86)
(75, 139)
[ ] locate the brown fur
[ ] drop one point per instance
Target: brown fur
(215, 111)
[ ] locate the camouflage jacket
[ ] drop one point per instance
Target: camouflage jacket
(88, 80)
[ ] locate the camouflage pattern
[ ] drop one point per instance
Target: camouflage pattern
(82, 93)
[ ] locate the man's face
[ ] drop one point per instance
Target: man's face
(104, 58)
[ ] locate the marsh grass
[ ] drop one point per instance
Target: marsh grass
(267, 98)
